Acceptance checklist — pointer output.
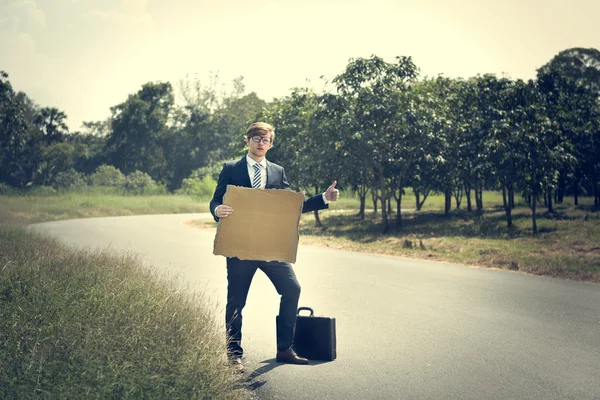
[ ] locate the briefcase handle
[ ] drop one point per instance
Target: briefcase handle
(306, 309)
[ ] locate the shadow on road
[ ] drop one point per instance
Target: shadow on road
(270, 364)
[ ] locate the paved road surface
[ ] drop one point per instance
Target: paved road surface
(407, 329)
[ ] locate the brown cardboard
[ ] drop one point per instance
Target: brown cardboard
(263, 226)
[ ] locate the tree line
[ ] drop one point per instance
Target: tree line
(378, 128)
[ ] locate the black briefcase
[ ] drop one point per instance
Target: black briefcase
(315, 336)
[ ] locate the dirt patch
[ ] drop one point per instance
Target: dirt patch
(201, 224)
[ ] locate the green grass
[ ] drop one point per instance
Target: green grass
(23, 210)
(566, 246)
(81, 324)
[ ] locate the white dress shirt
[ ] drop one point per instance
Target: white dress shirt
(263, 170)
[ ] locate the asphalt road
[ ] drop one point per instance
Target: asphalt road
(406, 329)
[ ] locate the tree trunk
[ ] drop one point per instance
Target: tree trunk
(507, 208)
(384, 204)
(533, 216)
(420, 201)
(362, 195)
(458, 194)
(318, 223)
(479, 197)
(448, 201)
(596, 195)
(389, 205)
(511, 196)
(399, 211)
(375, 199)
(417, 200)
(576, 193)
(468, 195)
(550, 208)
(361, 211)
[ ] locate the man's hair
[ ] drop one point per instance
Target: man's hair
(260, 128)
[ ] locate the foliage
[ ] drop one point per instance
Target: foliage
(139, 127)
(377, 91)
(377, 130)
(141, 183)
(202, 188)
(18, 147)
(107, 175)
(51, 123)
(69, 179)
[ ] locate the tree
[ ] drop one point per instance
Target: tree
(375, 88)
(300, 142)
(421, 139)
(139, 129)
(19, 148)
(56, 158)
(540, 149)
(209, 128)
(570, 83)
(90, 146)
(51, 122)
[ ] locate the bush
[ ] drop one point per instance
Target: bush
(139, 182)
(210, 170)
(198, 187)
(107, 175)
(69, 179)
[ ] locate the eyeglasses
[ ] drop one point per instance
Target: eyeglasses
(258, 139)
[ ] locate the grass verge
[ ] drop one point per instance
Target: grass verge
(566, 246)
(21, 210)
(82, 324)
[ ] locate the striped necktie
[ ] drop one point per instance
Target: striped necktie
(256, 179)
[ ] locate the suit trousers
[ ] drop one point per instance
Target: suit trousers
(239, 278)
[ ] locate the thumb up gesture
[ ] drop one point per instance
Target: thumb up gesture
(332, 194)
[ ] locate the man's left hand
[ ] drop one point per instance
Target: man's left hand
(332, 194)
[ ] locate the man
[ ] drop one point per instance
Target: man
(253, 170)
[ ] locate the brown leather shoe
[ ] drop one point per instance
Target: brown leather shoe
(289, 356)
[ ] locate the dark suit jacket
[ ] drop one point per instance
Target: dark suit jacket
(236, 173)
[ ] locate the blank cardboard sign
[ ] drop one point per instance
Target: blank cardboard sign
(263, 226)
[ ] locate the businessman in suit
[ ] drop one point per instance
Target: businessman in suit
(254, 171)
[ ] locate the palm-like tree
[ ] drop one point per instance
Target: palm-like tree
(51, 122)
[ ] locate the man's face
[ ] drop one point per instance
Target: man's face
(259, 145)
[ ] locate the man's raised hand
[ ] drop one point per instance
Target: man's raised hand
(223, 211)
(332, 194)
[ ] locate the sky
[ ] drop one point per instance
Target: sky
(85, 56)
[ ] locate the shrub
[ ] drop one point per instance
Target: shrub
(198, 187)
(107, 175)
(69, 179)
(139, 182)
(210, 170)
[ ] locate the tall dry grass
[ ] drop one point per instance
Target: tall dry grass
(80, 324)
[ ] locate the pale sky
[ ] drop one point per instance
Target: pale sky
(84, 56)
